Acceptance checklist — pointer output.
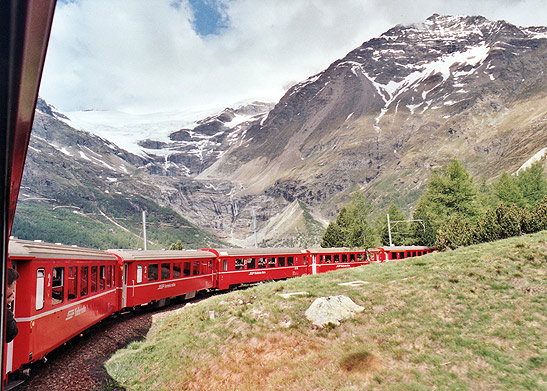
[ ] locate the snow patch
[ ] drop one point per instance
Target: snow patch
(537, 157)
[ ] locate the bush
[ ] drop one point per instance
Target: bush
(487, 228)
(456, 233)
(509, 218)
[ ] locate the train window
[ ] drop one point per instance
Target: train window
(304, 260)
(165, 271)
(321, 259)
(344, 257)
(336, 258)
(271, 262)
(102, 277)
(40, 283)
(224, 265)
(352, 257)
(186, 269)
(290, 261)
(281, 261)
(251, 263)
(84, 274)
(359, 257)
(93, 280)
(109, 276)
(57, 285)
(394, 255)
(262, 262)
(413, 253)
(401, 255)
(176, 270)
(205, 267)
(153, 272)
(139, 274)
(328, 258)
(72, 282)
(240, 264)
(195, 268)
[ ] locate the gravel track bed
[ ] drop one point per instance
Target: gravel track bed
(78, 365)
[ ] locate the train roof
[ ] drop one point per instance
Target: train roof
(249, 252)
(333, 250)
(26, 249)
(405, 248)
(143, 255)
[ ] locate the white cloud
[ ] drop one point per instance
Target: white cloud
(143, 56)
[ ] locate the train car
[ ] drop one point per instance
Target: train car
(243, 266)
(61, 291)
(152, 276)
(328, 259)
(392, 253)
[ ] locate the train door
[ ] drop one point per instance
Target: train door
(314, 264)
(9, 346)
(124, 286)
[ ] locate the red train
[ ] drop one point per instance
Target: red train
(63, 290)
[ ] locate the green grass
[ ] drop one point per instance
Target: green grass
(470, 319)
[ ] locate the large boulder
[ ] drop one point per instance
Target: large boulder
(332, 309)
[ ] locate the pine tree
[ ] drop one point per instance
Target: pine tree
(533, 183)
(508, 191)
(449, 191)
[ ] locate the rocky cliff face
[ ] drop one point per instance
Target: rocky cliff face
(379, 119)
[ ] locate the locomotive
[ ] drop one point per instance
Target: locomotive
(64, 290)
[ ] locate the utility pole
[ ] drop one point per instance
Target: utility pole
(389, 230)
(144, 228)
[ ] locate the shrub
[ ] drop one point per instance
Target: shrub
(455, 233)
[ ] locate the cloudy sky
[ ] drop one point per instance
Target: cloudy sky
(144, 56)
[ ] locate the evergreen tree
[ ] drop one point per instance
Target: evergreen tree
(508, 191)
(333, 236)
(533, 183)
(449, 191)
(176, 246)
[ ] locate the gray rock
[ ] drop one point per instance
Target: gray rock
(332, 309)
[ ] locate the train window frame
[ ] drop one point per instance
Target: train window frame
(165, 271)
(153, 272)
(251, 263)
(57, 285)
(102, 277)
(345, 258)
(239, 264)
(84, 277)
(336, 258)
(328, 258)
(72, 282)
(187, 269)
(224, 265)
(195, 268)
(94, 272)
(304, 261)
(109, 276)
(290, 261)
(40, 288)
(139, 274)
(177, 269)
(352, 257)
(281, 261)
(262, 262)
(272, 262)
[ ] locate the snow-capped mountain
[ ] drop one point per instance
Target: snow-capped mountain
(379, 119)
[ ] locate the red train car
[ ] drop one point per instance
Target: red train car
(327, 259)
(241, 266)
(392, 253)
(61, 291)
(156, 276)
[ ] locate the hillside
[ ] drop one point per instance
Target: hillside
(474, 318)
(378, 120)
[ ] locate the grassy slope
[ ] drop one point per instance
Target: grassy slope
(475, 318)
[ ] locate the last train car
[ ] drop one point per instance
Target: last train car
(237, 266)
(156, 276)
(61, 291)
(394, 253)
